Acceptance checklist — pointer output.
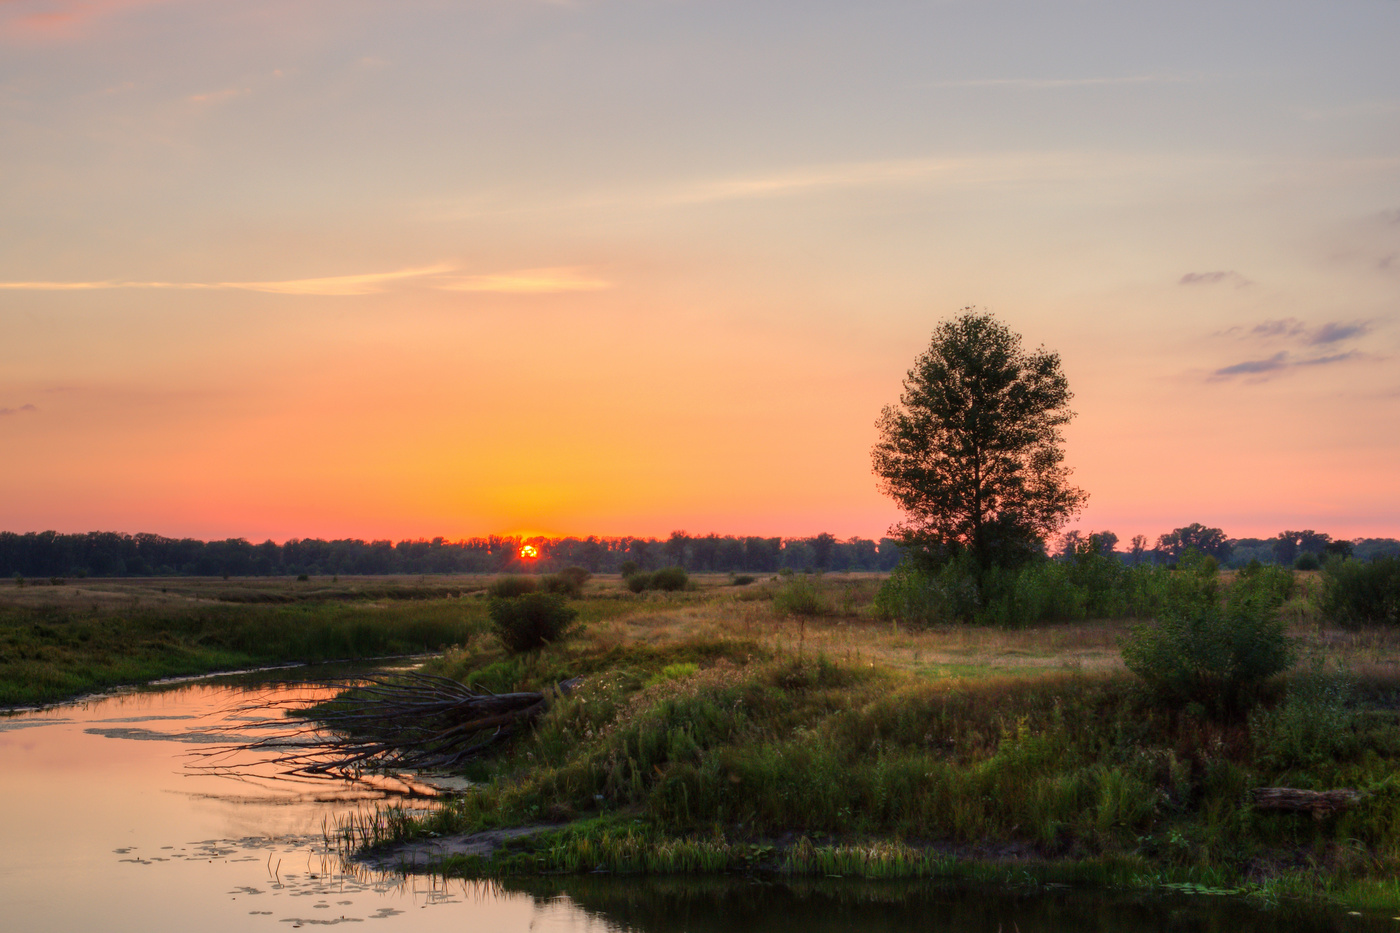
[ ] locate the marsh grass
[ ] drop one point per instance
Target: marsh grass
(78, 641)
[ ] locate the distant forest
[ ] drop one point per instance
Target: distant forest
(111, 554)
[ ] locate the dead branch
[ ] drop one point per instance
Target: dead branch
(412, 721)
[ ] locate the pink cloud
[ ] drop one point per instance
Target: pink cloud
(59, 19)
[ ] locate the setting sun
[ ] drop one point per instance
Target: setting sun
(528, 552)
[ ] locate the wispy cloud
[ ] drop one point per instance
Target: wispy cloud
(521, 281)
(23, 409)
(1278, 362)
(1053, 84)
(1214, 278)
(529, 281)
(1311, 346)
(364, 284)
(1333, 332)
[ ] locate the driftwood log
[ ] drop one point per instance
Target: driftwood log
(1319, 803)
(411, 721)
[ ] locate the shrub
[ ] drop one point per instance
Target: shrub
(1307, 561)
(669, 578)
(637, 581)
(743, 579)
(532, 620)
(1360, 592)
(511, 586)
(920, 596)
(800, 597)
(1208, 650)
(627, 568)
(567, 582)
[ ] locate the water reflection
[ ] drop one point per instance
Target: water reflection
(685, 905)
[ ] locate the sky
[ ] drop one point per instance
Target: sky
(405, 269)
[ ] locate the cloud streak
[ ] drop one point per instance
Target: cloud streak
(1324, 339)
(529, 282)
(1214, 278)
(1278, 362)
(971, 171)
(1053, 84)
(521, 281)
(23, 409)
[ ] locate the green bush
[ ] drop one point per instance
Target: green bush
(511, 586)
(532, 620)
(670, 578)
(627, 568)
(800, 597)
(917, 595)
(743, 579)
(1358, 592)
(1307, 561)
(1207, 649)
(567, 582)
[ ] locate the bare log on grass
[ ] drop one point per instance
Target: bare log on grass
(1317, 802)
(412, 721)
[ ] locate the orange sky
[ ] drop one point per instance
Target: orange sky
(372, 270)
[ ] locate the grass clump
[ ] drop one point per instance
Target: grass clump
(800, 596)
(531, 621)
(512, 585)
(1316, 723)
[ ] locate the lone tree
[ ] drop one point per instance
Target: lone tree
(972, 451)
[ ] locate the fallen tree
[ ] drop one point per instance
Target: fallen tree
(1317, 802)
(410, 721)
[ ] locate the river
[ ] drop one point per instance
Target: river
(109, 822)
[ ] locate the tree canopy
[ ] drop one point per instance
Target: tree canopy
(972, 452)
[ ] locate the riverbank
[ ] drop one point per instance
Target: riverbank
(713, 732)
(65, 638)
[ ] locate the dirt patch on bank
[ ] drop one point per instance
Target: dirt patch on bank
(422, 854)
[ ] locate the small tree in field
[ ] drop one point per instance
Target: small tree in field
(971, 453)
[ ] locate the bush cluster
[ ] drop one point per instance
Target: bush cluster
(1358, 592)
(567, 582)
(532, 620)
(1213, 645)
(667, 578)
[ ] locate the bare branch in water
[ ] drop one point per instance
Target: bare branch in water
(410, 721)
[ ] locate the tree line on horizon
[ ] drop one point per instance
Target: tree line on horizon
(113, 554)
(1304, 550)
